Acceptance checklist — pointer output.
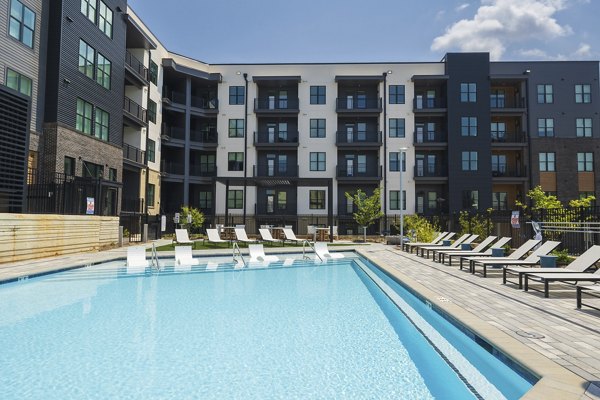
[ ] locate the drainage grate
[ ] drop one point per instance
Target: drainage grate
(443, 300)
(530, 335)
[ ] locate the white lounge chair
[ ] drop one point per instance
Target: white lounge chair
(182, 237)
(476, 250)
(408, 246)
(581, 264)
(473, 253)
(266, 236)
(183, 257)
(464, 239)
(290, 235)
(257, 254)
(322, 250)
(240, 234)
(213, 236)
(515, 255)
(136, 259)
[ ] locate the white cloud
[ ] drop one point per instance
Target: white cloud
(439, 15)
(499, 23)
(462, 7)
(584, 50)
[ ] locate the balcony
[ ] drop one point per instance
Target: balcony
(203, 170)
(205, 104)
(503, 105)
(132, 205)
(135, 115)
(135, 71)
(358, 173)
(134, 155)
(170, 133)
(204, 137)
(290, 207)
(358, 105)
(430, 105)
(275, 139)
(262, 170)
(172, 168)
(431, 172)
(506, 139)
(358, 139)
(503, 172)
(171, 97)
(279, 106)
(430, 139)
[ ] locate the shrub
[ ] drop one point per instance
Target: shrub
(422, 228)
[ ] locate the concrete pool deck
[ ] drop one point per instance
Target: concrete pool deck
(567, 355)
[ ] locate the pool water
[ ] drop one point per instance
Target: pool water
(305, 330)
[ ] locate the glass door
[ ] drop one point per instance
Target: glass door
(419, 130)
(271, 133)
(420, 165)
(350, 166)
(349, 133)
(350, 102)
(271, 102)
(271, 165)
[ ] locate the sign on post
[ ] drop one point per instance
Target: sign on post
(176, 218)
(163, 223)
(89, 206)
(514, 219)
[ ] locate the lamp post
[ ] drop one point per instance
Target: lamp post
(402, 199)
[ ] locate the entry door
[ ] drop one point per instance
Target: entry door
(420, 203)
(420, 164)
(419, 129)
(349, 133)
(349, 166)
(271, 133)
(419, 101)
(270, 201)
(349, 102)
(271, 102)
(271, 166)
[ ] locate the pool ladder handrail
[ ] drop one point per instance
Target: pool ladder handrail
(311, 246)
(239, 253)
(154, 259)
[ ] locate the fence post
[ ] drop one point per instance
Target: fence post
(120, 242)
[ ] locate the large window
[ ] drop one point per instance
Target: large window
(395, 161)
(18, 82)
(500, 200)
(101, 125)
(497, 98)
(468, 92)
(103, 71)
(545, 94)
(471, 199)
(397, 127)
(88, 8)
(397, 94)
(69, 166)
(235, 161)
(153, 72)
(207, 163)
(583, 127)
(317, 161)
(105, 19)
(498, 164)
(151, 150)
(583, 93)
(22, 23)
(585, 162)
(235, 199)
(469, 161)
(545, 127)
(395, 200)
(468, 126)
(151, 111)
(91, 170)
(150, 193)
(87, 55)
(547, 162)
(317, 128)
(236, 128)
(205, 200)
(317, 95)
(316, 199)
(236, 95)
(498, 131)
(83, 122)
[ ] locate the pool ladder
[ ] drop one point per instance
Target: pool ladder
(154, 259)
(310, 246)
(238, 253)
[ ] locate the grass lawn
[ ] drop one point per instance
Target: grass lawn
(199, 245)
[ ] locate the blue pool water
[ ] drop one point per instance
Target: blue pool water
(300, 331)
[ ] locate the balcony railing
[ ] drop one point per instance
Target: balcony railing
(205, 102)
(289, 207)
(430, 137)
(135, 110)
(173, 132)
(358, 138)
(276, 104)
(275, 137)
(203, 170)
(358, 171)
(134, 154)
(499, 102)
(136, 65)
(504, 171)
(132, 204)
(426, 103)
(275, 170)
(204, 136)
(430, 171)
(506, 137)
(174, 96)
(174, 168)
(358, 104)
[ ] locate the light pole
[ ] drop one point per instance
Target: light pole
(402, 199)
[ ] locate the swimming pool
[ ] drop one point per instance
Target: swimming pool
(291, 329)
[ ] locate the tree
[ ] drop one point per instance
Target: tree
(423, 229)
(368, 209)
(197, 218)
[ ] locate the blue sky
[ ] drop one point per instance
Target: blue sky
(269, 31)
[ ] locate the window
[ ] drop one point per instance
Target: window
(151, 150)
(395, 200)
(282, 200)
(498, 131)
(498, 164)
(112, 174)
(500, 200)
(205, 200)
(547, 163)
(153, 72)
(361, 161)
(397, 94)
(86, 59)
(585, 162)
(545, 94)
(470, 199)
(235, 161)
(497, 98)
(236, 128)
(468, 92)
(432, 200)
(317, 161)
(105, 19)
(235, 199)
(583, 127)
(69, 166)
(397, 127)
(545, 127)
(468, 126)
(151, 111)
(101, 124)
(349, 205)
(22, 23)
(317, 95)
(18, 82)
(88, 8)
(317, 128)
(469, 161)
(83, 122)
(395, 161)
(583, 94)
(150, 195)
(236, 95)
(91, 170)
(103, 71)
(316, 199)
